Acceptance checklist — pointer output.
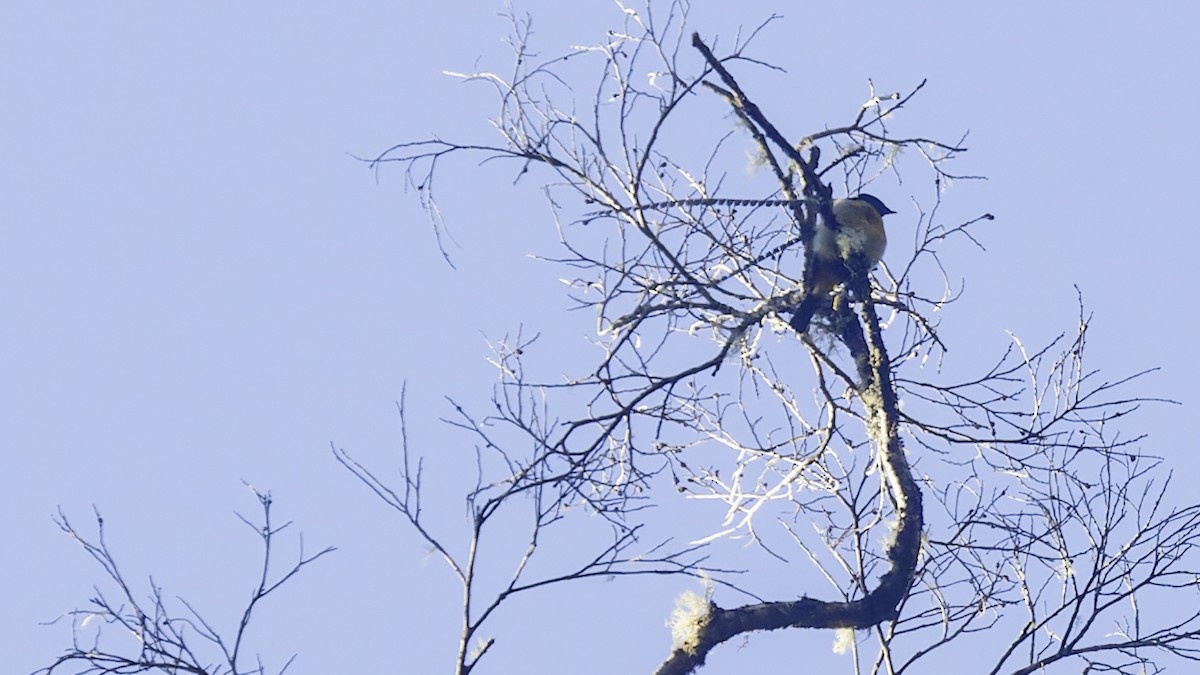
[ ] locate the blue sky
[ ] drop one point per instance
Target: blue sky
(200, 285)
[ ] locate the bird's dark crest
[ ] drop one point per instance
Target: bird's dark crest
(876, 203)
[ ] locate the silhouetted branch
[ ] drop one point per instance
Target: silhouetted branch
(166, 640)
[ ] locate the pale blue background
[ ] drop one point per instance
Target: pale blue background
(199, 285)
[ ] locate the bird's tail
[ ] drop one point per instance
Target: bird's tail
(804, 312)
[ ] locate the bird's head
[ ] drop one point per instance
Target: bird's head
(875, 203)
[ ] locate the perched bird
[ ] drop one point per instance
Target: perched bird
(856, 233)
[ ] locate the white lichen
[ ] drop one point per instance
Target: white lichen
(843, 640)
(689, 618)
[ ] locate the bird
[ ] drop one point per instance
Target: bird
(857, 232)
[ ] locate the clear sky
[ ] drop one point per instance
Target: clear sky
(199, 284)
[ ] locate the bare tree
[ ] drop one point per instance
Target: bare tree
(1000, 512)
(1002, 508)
